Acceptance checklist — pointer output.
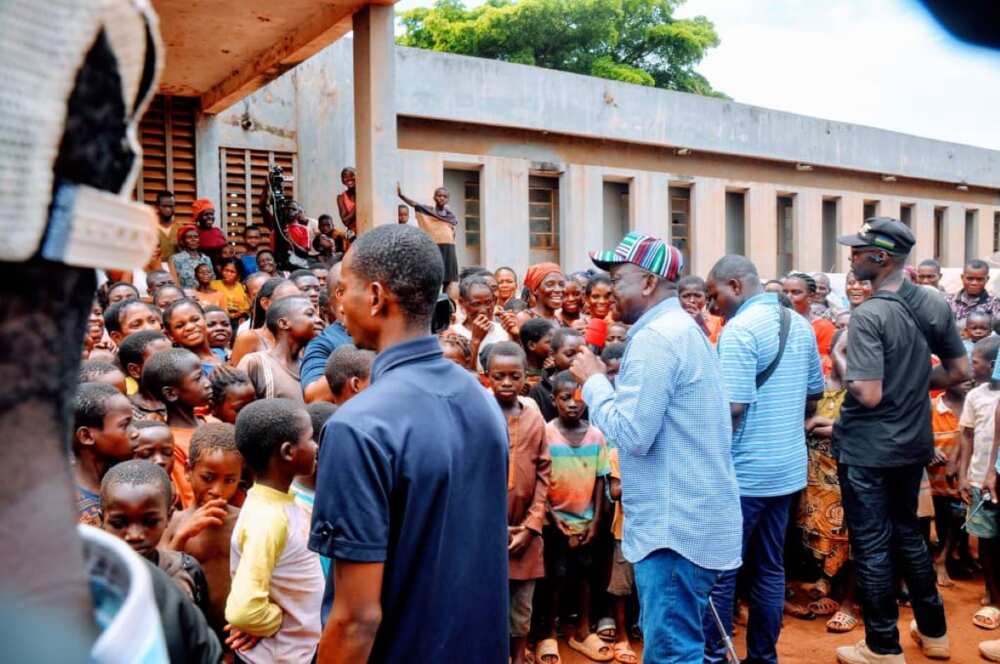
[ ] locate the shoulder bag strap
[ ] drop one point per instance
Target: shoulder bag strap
(785, 324)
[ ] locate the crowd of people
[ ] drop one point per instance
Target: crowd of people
(331, 470)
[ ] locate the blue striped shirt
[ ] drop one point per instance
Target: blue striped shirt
(769, 445)
(668, 416)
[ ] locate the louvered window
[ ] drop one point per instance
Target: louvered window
(167, 136)
(244, 174)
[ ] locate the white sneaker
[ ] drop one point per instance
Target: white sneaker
(933, 647)
(859, 653)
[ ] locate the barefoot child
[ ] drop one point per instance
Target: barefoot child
(177, 379)
(622, 583)
(102, 436)
(579, 466)
(277, 588)
(527, 486)
(135, 507)
(204, 529)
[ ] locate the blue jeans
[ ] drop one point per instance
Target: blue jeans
(880, 511)
(673, 595)
(764, 523)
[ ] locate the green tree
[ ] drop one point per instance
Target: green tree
(636, 41)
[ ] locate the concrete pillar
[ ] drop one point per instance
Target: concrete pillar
(708, 224)
(581, 216)
(923, 228)
(850, 217)
(953, 251)
(422, 173)
(889, 207)
(503, 200)
(649, 206)
(984, 232)
(375, 116)
(807, 231)
(762, 228)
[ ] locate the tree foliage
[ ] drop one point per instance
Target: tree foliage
(636, 41)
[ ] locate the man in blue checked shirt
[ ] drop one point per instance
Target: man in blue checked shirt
(668, 416)
(768, 388)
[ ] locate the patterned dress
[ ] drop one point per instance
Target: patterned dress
(821, 512)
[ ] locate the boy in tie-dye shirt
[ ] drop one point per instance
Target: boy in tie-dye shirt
(579, 467)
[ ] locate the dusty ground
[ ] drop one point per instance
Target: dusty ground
(808, 642)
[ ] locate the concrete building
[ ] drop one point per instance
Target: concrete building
(550, 165)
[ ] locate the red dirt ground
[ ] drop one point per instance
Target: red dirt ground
(808, 642)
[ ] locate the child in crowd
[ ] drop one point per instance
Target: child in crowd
(167, 295)
(571, 311)
(102, 436)
(978, 325)
(204, 293)
(304, 486)
(622, 583)
(978, 429)
(220, 331)
(949, 511)
(612, 357)
(176, 378)
(348, 371)
(273, 609)
(235, 299)
(130, 316)
(579, 466)
(693, 294)
(132, 354)
(536, 339)
(529, 471)
(275, 372)
(617, 334)
(458, 349)
(154, 443)
(231, 391)
(135, 507)
(515, 305)
(324, 242)
(251, 240)
(98, 371)
(566, 343)
(184, 321)
(204, 529)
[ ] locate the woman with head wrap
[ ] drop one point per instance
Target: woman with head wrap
(547, 284)
(188, 257)
(211, 238)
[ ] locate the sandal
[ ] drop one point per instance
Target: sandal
(987, 617)
(592, 647)
(824, 606)
(606, 629)
(841, 623)
(623, 653)
(799, 611)
(547, 652)
(817, 590)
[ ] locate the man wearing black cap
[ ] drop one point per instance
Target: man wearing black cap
(883, 439)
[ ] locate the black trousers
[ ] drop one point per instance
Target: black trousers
(880, 508)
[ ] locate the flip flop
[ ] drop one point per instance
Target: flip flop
(799, 611)
(623, 653)
(592, 647)
(824, 606)
(987, 617)
(547, 652)
(606, 629)
(841, 623)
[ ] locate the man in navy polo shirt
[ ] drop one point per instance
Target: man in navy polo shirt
(411, 490)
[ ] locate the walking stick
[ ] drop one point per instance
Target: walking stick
(731, 655)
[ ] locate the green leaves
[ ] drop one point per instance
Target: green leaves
(636, 41)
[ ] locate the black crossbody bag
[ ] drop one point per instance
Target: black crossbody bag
(784, 325)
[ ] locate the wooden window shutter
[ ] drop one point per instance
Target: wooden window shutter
(244, 174)
(167, 136)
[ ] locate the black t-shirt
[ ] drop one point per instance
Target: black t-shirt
(885, 343)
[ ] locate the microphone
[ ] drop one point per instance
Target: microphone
(596, 333)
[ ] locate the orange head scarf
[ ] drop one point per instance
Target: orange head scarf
(181, 232)
(200, 206)
(536, 274)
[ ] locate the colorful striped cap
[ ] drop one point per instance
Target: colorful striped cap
(650, 253)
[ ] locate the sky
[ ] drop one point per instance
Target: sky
(882, 63)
